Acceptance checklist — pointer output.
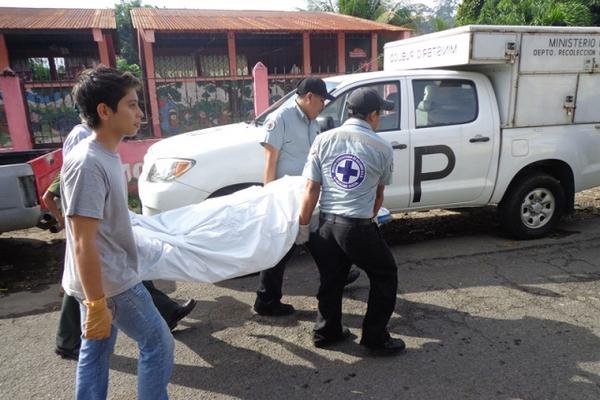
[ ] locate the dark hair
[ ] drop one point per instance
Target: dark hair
(101, 85)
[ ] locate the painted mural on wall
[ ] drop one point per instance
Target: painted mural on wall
(187, 106)
(280, 87)
(52, 114)
(4, 135)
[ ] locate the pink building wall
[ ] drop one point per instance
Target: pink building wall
(132, 156)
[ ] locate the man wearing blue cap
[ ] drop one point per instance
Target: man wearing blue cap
(290, 131)
(348, 168)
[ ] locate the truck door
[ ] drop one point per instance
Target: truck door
(392, 128)
(451, 143)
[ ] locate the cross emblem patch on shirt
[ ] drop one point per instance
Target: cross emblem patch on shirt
(348, 171)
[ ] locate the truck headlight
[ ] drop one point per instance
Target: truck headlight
(167, 169)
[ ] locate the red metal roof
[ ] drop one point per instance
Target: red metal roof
(56, 18)
(233, 20)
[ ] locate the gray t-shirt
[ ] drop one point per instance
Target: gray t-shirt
(77, 134)
(93, 185)
(350, 162)
(291, 132)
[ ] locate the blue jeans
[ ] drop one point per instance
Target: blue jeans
(135, 314)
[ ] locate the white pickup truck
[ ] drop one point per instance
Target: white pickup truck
(511, 118)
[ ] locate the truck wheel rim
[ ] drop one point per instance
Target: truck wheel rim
(537, 208)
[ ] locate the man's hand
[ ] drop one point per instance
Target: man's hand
(98, 320)
(303, 234)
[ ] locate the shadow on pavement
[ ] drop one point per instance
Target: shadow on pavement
(451, 355)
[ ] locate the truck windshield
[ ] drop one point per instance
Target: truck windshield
(287, 99)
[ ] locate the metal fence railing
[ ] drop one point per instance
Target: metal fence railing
(195, 103)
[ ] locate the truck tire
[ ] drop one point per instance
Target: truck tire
(532, 207)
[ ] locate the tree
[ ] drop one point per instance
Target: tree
(128, 46)
(468, 12)
(367, 9)
(529, 12)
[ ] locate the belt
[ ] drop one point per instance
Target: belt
(338, 219)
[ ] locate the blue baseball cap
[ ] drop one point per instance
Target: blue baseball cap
(366, 100)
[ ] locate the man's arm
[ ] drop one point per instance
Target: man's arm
(98, 319)
(87, 258)
(271, 157)
(378, 200)
(310, 197)
(49, 200)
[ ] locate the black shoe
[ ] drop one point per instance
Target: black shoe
(353, 275)
(274, 308)
(321, 341)
(390, 347)
(67, 354)
(181, 313)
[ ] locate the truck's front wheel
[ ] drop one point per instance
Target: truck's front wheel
(533, 207)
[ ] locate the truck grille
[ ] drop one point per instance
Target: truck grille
(27, 185)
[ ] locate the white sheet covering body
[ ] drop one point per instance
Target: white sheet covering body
(220, 238)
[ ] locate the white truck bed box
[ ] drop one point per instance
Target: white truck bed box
(559, 67)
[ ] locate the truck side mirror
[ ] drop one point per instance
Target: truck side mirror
(325, 123)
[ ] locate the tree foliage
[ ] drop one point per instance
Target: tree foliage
(416, 16)
(529, 12)
(127, 42)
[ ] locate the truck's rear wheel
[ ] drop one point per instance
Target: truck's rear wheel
(533, 207)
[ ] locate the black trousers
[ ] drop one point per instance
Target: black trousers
(335, 247)
(68, 335)
(271, 280)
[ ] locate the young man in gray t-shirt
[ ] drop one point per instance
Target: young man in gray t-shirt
(101, 260)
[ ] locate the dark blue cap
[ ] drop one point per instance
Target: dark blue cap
(365, 100)
(314, 85)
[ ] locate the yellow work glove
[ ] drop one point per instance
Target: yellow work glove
(98, 320)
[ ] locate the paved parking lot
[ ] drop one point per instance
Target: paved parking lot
(484, 317)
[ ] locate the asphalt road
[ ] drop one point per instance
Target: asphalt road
(484, 317)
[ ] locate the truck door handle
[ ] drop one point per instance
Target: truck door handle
(479, 138)
(398, 146)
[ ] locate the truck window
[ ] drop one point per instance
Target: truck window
(390, 120)
(444, 102)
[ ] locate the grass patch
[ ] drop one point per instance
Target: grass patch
(134, 203)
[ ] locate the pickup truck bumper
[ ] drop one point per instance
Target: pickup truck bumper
(19, 218)
(157, 197)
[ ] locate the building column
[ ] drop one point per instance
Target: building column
(374, 62)
(16, 111)
(4, 60)
(260, 88)
(306, 52)
(232, 54)
(102, 46)
(147, 38)
(112, 57)
(341, 38)
(53, 72)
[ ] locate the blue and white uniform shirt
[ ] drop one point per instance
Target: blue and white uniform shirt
(290, 131)
(350, 162)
